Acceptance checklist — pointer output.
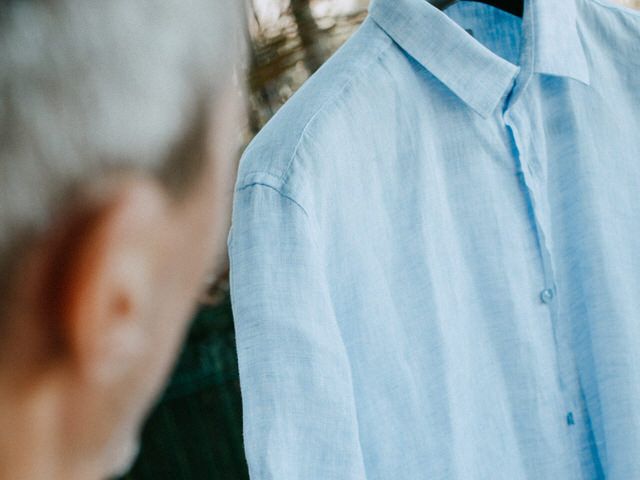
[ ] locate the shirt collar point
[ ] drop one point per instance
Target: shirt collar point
(576, 69)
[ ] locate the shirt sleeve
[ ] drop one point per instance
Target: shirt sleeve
(298, 405)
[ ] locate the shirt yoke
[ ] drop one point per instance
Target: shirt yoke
(269, 158)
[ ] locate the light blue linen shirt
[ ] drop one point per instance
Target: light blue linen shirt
(435, 252)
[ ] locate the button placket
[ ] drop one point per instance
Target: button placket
(532, 175)
(529, 174)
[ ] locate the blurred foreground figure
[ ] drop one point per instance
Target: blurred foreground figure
(116, 121)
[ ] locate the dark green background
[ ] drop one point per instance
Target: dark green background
(195, 430)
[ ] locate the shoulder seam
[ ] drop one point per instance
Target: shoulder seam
(321, 108)
(284, 195)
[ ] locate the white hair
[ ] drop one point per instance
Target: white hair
(87, 86)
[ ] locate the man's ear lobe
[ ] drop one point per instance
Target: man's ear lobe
(105, 269)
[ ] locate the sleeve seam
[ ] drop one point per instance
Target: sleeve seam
(284, 195)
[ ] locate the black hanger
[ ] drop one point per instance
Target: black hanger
(514, 7)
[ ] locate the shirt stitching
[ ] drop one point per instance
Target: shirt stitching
(362, 68)
(263, 184)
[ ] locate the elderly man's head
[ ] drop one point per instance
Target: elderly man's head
(118, 121)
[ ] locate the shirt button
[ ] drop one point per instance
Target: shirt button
(546, 295)
(570, 420)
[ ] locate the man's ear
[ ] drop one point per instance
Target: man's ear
(105, 265)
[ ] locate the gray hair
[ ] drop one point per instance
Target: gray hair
(89, 86)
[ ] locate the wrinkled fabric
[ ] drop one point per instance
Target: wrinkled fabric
(435, 252)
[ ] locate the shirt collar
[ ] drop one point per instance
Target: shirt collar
(478, 76)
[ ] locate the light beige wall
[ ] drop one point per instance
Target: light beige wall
(629, 3)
